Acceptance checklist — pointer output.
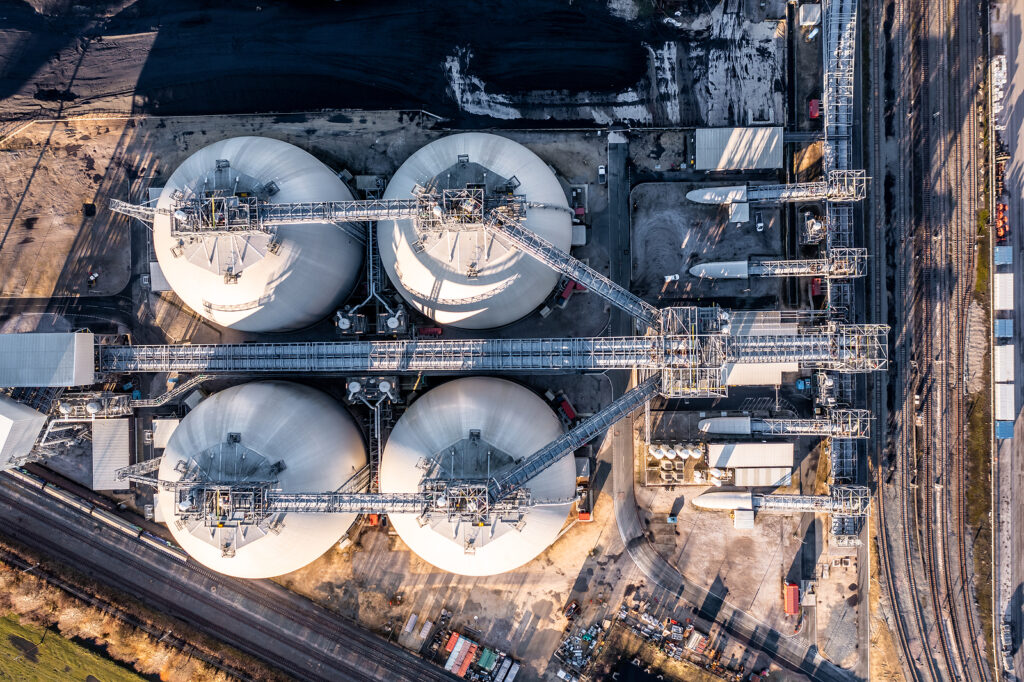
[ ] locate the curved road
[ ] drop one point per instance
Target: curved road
(258, 617)
(792, 653)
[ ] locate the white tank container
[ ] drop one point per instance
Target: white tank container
(474, 282)
(267, 416)
(313, 269)
(513, 422)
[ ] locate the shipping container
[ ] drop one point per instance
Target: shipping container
(1006, 406)
(1004, 430)
(1003, 295)
(410, 624)
(791, 599)
(1003, 362)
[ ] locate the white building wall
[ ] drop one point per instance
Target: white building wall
(19, 427)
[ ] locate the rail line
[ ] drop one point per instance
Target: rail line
(383, 655)
(948, 291)
(900, 452)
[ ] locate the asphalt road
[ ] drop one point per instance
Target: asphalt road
(257, 617)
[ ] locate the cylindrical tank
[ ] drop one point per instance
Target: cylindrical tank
(669, 451)
(469, 279)
(243, 281)
(696, 451)
(308, 433)
(680, 451)
(657, 451)
(652, 450)
(717, 482)
(481, 424)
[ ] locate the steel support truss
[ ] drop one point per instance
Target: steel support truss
(841, 185)
(839, 424)
(842, 453)
(689, 358)
(845, 500)
(841, 263)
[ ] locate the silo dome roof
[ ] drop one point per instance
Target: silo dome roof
(470, 279)
(278, 424)
(238, 281)
(509, 422)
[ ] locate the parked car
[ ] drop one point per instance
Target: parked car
(602, 174)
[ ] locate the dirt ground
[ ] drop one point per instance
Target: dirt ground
(838, 601)
(519, 611)
(885, 665)
(670, 235)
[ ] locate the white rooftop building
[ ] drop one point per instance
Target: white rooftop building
(756, 455)
(20, 426)
(47, 359)
(739, 148)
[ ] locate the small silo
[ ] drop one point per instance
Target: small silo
(470, 279)
(479, 425)
(267, 430)
(254, 282)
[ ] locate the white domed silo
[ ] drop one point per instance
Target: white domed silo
(511, 422)
(469, 279)
(306, 431)
(241, 281)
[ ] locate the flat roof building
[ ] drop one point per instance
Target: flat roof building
(60, 359)
(756, 455)
(19, 428)
(110, 444)
(739, 148)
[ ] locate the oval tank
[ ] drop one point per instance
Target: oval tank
(306, 431)
(242, 281)
(468, 278)
(511, 422)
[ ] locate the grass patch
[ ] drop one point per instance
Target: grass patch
(31, 653)
(979, 504)
(984, 268)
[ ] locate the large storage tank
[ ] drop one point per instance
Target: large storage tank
(310, 434)
(468, 279)
(512, 423)
(233, 280)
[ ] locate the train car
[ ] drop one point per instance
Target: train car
(165, 546)
(28, 478)
(116, 522)
(68, 498)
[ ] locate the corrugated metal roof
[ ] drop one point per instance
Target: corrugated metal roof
(732, 194)
(757, 373)
(1006, 402)
(738, 426)
(162, 431)
(1002, 255)
(110, 443)
(760, 477)
(46, 359)
(743, 519)
(1003, 298)
(739, 148)
(19, 427)
(1003, 358)
(739, 213)
(731, 269)
(1004, 329)
(746, 455)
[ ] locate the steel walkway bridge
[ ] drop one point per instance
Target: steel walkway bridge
(841, 262)
(839, 424)
(500, 215)
(844, 348)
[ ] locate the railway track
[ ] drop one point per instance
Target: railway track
(948, 253)
(395, 663)
(903, 447)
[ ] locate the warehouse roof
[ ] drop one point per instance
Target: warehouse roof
(739, 148)
(110, 439)
(19, 427)
(46, 359)
(740, 455)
